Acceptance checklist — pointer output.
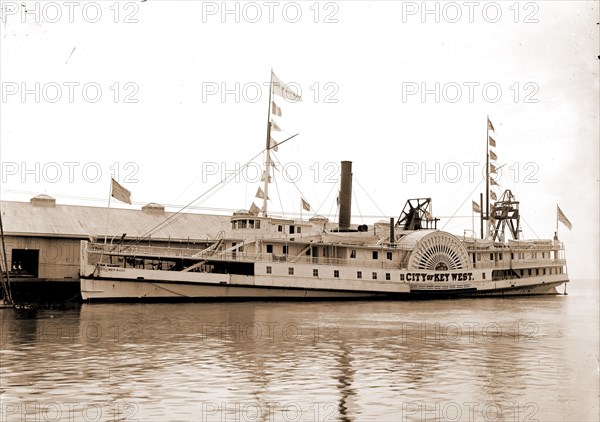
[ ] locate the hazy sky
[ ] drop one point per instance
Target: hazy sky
(169, 96)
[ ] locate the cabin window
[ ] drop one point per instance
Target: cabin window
(251, 224)
(269, 248)
(512, 255)
(298, 230)
(389, 256)
(478, 257)
(500, 256)
(291, 271)
(359, 274)
(374, 275)
(257, 224)
(530, 272)
(234, 225)
(491, 257)
(375, 255)
(537, 271)
(284, 249)
(280, 228)
(388, 276)
(353, 253)
(268, 270)
(534, 255)
(483, 275)
(243, 224)
(292, 229)
(25, 262)
(315, 272)
(336, 273)
(543, 254)
(544, 271)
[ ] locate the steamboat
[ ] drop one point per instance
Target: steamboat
(268, 257)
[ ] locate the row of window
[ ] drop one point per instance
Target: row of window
(336, 273)
(511, 274)
(520, 255)
(285, 250)
(246, 224)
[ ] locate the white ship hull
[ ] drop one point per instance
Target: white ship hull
(109, 283)
(135, 284)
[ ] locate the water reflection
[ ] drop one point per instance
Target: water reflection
(493, 359)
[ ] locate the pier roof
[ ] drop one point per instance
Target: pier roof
(56, 220)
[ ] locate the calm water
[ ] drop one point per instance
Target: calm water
(520, 359)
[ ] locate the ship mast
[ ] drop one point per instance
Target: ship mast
(268, 162)
(487, 174)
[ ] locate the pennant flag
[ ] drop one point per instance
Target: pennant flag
(305, 205)
(492, 168)
(119, 192)
(277, 128)
(476, 207)
(260, 194)
(563, 218)
(493, 182)
(492, 142)
(490, 125)
(254, 210)
(275, 109)
(493, 156)
(273, 144)
(493, 195)
(280, 88)
(264, 176)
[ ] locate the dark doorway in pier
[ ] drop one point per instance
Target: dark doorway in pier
(25, 262)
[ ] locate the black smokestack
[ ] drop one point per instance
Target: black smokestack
(345, 196)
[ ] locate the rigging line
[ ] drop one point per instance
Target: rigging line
(225, 144)
(463, 203)
(527, 224)
(288, 175)
(326, 198)
(368, 196)
(362, 220)
(278, 195)
(167, 221)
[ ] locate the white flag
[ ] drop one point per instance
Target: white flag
(283, 90)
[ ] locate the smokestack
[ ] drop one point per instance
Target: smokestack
(345, 196)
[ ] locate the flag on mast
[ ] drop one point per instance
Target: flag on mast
(476, 207)
(563, 218)
(493, 156)
(283, 90)
(490, 125)
(260, 194)
(492, 141)
(274, 126)
(120, 193)
(254, 210)
(493, 195)
(273, 144)
(275, 109)
(305, 205)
